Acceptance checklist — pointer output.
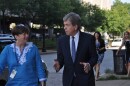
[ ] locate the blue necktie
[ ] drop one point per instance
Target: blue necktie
(73, 49)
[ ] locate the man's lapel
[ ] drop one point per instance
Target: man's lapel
(68, 50)
(79, 45)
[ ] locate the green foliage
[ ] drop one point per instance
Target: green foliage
(49, 43)
(91, 15)
(7, 6)
(117, 19)
(110, 77)
(114, 77)
(93, 18)
(50, 12)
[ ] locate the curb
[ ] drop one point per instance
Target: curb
(112, 76)
(47, 52)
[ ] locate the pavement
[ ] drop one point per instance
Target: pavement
(55, 79)
(113, 83)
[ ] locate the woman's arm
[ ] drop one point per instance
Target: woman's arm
(40, 69)
(120, 47)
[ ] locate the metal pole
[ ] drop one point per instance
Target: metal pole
(43, 34)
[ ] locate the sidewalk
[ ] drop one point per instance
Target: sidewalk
(118, 80)
(113, 83)
(55, 79)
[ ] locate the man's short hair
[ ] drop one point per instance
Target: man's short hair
(73, 18)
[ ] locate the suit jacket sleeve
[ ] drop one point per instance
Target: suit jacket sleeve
(60, 56)
(92, 52)
(39, 66)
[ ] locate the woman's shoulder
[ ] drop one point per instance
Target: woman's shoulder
(31, 45)
(9, 45)
(7, 48)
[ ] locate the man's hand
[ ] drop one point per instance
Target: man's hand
(56, 65)
(87, 66)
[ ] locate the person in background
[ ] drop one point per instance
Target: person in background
(77, 53)
(100, 47)
(126, 43)
(106, 38)
(23, 60)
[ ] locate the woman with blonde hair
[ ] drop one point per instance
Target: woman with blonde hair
(126, 43)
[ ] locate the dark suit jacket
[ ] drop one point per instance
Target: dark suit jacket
(86, 52)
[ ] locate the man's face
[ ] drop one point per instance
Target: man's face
(69, 28)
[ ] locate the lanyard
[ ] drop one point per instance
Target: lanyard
(18, 57)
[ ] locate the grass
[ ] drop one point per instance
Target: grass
(114, 77)
(109, 75)
(49, 43)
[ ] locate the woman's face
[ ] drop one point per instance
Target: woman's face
(23, 38)
(96, 35)
(126, 35)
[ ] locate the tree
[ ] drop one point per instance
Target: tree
(117, 18)
(93, 18)
(91, 15)
(52, 11)
(5, 9)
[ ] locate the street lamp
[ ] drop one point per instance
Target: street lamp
(43, 38)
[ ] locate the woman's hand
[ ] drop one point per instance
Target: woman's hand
(117, 53)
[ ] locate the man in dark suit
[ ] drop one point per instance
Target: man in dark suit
(77, 53)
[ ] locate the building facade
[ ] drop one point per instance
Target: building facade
(103, 4)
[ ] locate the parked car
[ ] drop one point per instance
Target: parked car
(116, 42)
(5, 39)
